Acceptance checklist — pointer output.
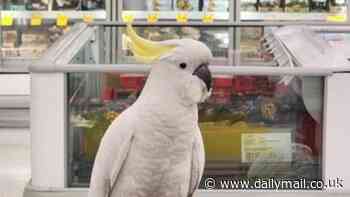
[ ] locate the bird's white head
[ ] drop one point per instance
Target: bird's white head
(179, 65)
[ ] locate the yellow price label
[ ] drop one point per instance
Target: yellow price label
(182, 17)
(36, 20)
(336, 18)
(153, 18)
(208, 18)
(128, 18)
(62, 21)
(6, 21)
(88, 18)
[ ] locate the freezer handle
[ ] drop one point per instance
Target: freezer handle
(216, 70)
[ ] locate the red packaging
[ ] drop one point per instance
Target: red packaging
(244, 84)
(222, 89)
(132, 82)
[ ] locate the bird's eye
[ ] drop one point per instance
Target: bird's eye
(183, 65)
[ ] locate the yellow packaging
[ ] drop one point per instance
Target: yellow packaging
(223, 141)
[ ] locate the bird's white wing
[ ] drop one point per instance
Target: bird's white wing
(198, 161)
(111, 155)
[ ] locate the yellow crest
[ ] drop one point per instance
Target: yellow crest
(144, 50)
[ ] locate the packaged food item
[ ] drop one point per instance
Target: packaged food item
(9, 39)
(249, 5)
(78, 4)
(34, 38)
(37, 5)
(338, 6)
(159, 5)
(297, 6)
(216, 5)
(270, 6)
(187, 5)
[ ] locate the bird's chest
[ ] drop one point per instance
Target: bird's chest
(155, 158)
(160, 146)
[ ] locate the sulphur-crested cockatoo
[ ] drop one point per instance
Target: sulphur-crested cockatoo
(155, 148)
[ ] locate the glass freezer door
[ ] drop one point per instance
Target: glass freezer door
(254, 127)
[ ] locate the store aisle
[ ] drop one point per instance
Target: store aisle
(14, 169)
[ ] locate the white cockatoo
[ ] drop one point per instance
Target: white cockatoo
(155, 147)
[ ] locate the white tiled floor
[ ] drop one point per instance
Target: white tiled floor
(14, 168)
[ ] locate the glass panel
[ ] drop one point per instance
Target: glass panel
(255, 127)
(169, 8)
(217, 39)
(252, 126)
(78, 4)
(291, 9)
(29, 42)
(337, 39)
(183, 5)
(24, 4)
(251, 51)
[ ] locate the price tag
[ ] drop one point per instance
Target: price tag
(36, 20)
(128, 18)
(182, 17)
(336, 18)
(153, 18)
(268, 146)
(208, 18)
(6, 21)
(62, 20)
(88, 18)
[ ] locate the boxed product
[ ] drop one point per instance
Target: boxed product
(78, 4)
(37, 5)
(222, 89)
(249, 5)
(338, 6)
(35, 38)
(159, 5)
(9, 39)
(216, 5)
(270, 6)
(297, 6)
(187, 5)
(32, 51)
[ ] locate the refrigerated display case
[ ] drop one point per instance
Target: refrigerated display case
(256, 124)
(318, 10)
(217, 40)
(168, 9)
(30, 27)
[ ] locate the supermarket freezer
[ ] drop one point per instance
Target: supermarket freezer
(302, 120)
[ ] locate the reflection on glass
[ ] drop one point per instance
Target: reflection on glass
(250, 50)
(253, 126)
(78, 4)
(332, 6)
(29, 42)
(216, 39)
(24, 4)
(181, 5)
(336, 39)
(266, 7)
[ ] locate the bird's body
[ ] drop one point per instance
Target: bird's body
(154, 148)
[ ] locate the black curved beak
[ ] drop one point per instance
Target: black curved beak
(204, 74)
